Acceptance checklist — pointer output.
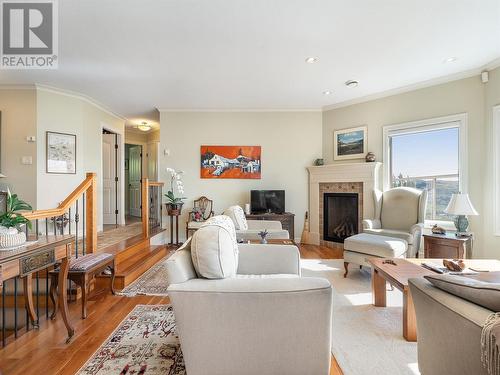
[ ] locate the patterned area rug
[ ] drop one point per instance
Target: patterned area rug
(153, 282)
(146, 340)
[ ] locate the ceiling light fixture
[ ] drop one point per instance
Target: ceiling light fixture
(311, 60)
(450, 59)
(327, 92)
(352, 83)
(144, 126)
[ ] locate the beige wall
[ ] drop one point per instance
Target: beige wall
(467, 95)
(18, 111)
(491, 243)
(290, 142)
(70, 114)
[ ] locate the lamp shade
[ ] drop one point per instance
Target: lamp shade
(460, 204)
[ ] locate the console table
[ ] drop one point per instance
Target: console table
(287, 220)
(27, 260)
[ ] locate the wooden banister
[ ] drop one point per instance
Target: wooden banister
(145, 207)
(87, 187)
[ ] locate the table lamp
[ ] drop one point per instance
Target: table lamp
(461, 206)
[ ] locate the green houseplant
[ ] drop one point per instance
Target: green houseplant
(174, 195)
(11, 222)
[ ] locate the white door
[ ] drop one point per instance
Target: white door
(134, 173)
(108, 179)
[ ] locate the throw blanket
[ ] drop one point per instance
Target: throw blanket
(490, 344)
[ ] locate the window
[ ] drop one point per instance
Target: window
(427, 155)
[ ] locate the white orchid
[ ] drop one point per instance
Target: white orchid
(175, 176)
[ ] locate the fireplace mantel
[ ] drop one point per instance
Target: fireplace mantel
(366, 173)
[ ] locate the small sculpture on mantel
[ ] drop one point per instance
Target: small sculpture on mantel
(370, 157)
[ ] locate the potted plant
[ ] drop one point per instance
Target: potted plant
(174, 195)
(11, 222)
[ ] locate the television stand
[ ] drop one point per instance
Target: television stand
(287, 220)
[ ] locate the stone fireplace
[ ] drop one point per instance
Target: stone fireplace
(340, 197)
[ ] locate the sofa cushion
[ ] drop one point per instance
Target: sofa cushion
(214, 250)
(380, 246)
(238, 217)
(483, 289)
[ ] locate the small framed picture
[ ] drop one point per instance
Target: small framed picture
(61, 153)
(350, 143)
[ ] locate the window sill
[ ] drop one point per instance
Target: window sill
(448, 225)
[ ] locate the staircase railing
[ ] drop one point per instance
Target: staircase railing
(151, 210)
(78, 210)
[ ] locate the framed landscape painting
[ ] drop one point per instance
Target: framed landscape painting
(241, 162)
(61, 153)
(350, 143)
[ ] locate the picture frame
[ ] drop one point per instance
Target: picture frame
(60, 153)
(230, 162)
(350, 143)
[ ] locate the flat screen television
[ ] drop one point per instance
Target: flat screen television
(270, 201)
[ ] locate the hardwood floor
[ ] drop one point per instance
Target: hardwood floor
(44, 351)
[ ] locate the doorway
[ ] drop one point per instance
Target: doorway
(110, 177)
(133, 177)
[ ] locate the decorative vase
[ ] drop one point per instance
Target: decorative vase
(263, 240)
(174, 209)
(370, 157)
(11, 237)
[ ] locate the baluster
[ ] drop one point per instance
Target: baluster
(54, 225)
(77, 219)
(46, 227)
(37, 296)
(27, 230)
(47, 293)
(15, 307)
(36, 229)
(84, 222)
(3, 316)
(27, 320)
(62, 224)
(69, 224)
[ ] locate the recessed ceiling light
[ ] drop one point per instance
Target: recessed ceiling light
(144, 126)
(327, 92)
(352, 83)
(450, 59)
(311, 60)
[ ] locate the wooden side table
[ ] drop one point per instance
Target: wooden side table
(447, 246)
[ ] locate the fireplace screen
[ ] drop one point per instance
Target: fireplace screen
(340, 216)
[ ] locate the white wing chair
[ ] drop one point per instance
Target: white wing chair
(266, 320)
(399, 213)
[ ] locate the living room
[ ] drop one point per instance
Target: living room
(184, 185)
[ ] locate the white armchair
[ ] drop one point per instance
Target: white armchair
(399, 213)
(265, 320)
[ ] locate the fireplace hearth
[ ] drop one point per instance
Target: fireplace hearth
(340, 216)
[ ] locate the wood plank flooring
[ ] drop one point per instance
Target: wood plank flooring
(44, 351)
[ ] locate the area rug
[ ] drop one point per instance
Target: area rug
(146, 339)
(153, 282)
(365, 339)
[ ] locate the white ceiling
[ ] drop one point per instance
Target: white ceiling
(137, 55)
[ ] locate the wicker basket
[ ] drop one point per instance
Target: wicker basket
(9, 239)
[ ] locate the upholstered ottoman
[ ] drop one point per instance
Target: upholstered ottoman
(363, 246)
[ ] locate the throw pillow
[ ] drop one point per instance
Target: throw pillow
(238, 217)
(214, 250)
(486, 294)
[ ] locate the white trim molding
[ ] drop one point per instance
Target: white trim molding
(496, 165)
(444, 122)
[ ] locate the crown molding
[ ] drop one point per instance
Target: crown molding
(249, 110)
(77, 95)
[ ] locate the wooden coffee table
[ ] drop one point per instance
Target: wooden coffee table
(398, 275)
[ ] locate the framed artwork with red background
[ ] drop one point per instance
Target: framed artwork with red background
(241, 162)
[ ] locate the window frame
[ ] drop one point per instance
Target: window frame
(437, 123)
(496, 165)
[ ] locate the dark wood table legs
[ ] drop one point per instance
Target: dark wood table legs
(172, 218)
(63, 294)
(28, 295)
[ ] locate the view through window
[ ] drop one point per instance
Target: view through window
(428, 160)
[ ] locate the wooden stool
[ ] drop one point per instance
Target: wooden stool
(81, 271)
